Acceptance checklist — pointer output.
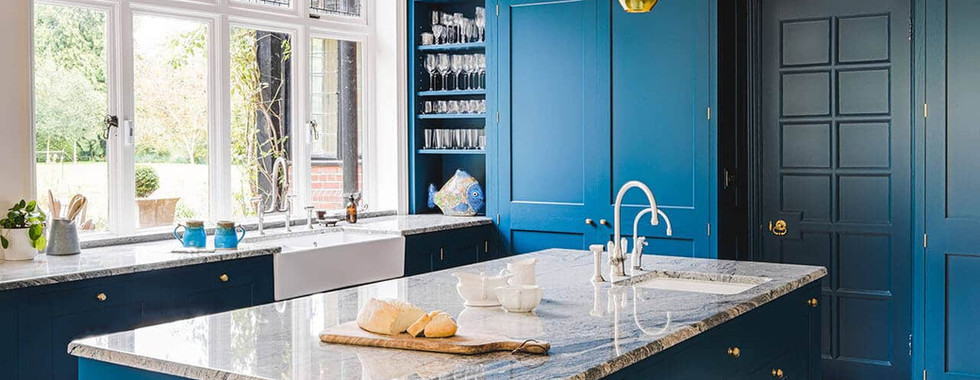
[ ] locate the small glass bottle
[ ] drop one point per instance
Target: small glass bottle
(351, 209)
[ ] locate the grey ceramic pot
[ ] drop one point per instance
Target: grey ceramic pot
(63, 238)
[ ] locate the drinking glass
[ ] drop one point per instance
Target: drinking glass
(457, 67)
(481, 64)
(458, 23)
(483, 106)
(436, 17)
(453, 107)
(428, 139)
(443, 65)
(428, 38)
(481, 22)
(448, 20)
(442, 106)
(469, 66)
(431, 65)
(439, 31)
(428, 107)
(474, 106)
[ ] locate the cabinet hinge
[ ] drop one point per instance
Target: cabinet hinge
(498, 219)
(497, 116)
(709, 113)
(910, 344)
(925, 110)
(925, 240)
(911, 29)
(709, 229)
(498, 9)
(925, 375)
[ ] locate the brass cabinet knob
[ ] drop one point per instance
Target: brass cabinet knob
(223, 278)
(101, 297)
(734, 352)
(603, 222)
(588, 221)
(777, 373)
(779, 228)
(812, 302)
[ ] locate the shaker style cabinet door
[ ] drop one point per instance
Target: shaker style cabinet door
(550, 138)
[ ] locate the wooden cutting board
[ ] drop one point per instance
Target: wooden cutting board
(464, 342)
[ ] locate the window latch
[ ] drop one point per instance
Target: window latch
(314, 132)
(109, 121)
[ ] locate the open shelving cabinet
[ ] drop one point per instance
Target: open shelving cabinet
(437, 166)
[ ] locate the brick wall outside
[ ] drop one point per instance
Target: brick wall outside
(328, 185)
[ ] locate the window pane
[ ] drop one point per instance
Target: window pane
(274, 3)
(260, 128)
(335, 88)
(171, 94)
(336, 7)
(71, 100)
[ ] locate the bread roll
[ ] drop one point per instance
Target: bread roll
(389, 317)
(442, 325)
(416, 329)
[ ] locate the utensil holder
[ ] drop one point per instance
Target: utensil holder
(63, 238)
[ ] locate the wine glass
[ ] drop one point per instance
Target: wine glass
(447, 20)
(481, 21)
(443, 65)
(469, 67)
(431, 65)
(458, 22)
(481, 63)
(439, 31)
(457, 66)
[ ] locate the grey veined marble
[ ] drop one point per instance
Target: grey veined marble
(137, 256)
(594, 330)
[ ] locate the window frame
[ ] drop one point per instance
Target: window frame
(221, 16)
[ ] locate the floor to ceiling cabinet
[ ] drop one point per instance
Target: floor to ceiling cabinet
(591, 97)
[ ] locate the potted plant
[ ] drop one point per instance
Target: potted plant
(153, 211)
(23, 231)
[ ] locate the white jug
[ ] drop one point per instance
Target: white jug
(478, 289)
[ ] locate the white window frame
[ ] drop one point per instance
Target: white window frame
(221, 16)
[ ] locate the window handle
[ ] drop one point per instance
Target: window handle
(109, 121)
(314, 133)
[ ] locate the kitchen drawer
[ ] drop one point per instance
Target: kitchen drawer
(221, 286)
(447, 249)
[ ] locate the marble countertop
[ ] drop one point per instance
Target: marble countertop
(280, 340)
(147, 256)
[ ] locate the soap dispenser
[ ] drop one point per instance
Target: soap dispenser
(351, 209)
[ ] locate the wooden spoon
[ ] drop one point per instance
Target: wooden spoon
(75, 206)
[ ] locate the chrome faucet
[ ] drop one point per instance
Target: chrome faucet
(640, 241)
(617, 247)
(280, 173)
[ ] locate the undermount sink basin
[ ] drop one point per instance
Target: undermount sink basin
(708, 283)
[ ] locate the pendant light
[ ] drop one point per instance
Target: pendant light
(637, 6)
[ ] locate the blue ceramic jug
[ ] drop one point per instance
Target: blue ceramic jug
(193, 236)
(225, 236)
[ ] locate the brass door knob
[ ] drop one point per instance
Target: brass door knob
(223, 278)
(812, 302)
(777, 373)
(734, 352)
(779, 228)
(588, 221)
(101, 297)
(603, 222)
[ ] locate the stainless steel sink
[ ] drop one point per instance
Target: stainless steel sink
(708, 283)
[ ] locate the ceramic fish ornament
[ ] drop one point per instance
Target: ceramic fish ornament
(460, 196)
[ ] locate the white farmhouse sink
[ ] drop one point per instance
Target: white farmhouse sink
(319, 263)
(708, 283)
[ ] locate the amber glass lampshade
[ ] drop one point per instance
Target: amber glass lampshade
(637, 6)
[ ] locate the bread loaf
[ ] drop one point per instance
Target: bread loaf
(442, 325)
(416, 329)
(388, 317)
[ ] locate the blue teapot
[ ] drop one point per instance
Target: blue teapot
(193, 236)
(226, 236)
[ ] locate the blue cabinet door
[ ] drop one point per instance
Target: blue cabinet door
(550, 138)
(952, 263)
(663, 83)
(836, 169)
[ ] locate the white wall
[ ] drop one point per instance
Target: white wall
(16, 141)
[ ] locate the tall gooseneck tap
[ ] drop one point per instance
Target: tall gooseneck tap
(280, 202)
(617, 255)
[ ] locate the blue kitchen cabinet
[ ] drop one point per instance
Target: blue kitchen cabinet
(448, 249)
(591, 97)
(780, 337)
(39, 322)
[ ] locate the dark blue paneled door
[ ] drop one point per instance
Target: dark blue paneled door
(952, 269)
(835, 91)
(549, 137)
(662, 81)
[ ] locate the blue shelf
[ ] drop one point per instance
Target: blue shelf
(452, 151)
(454, 47)
(454, 116)
(452, 93)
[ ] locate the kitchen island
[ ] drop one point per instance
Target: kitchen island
(595, 330)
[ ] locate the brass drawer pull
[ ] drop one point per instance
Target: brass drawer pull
(588, 222)
(812, 302)
(734, 352)
(223, 278)
(442, 254)
(603, 222)
(777, 373)
(101, 297)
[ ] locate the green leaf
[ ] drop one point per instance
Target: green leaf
(3, 239)
(36, 232)
(31, 206)
(41, 243)
(22, 204)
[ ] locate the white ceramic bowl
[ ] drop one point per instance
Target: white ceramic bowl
(519, 298)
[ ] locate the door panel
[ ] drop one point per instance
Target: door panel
(548, 92)
(836, 168)
(953, 177)
(661, 90)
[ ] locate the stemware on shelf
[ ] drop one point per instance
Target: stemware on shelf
(455, 139)
(456, 63)
(432, 66)
(481, 22)
(444, 64)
